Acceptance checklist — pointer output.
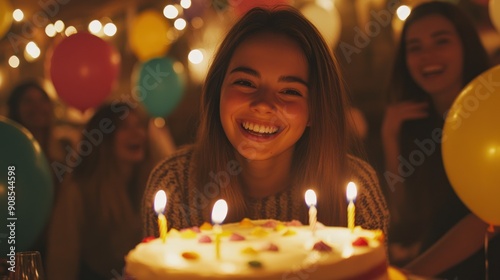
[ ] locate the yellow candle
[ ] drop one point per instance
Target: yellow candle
(162, 224)
(350, 216)
(351, 209)
(159, 205)
(311, 201)
(218, 233)
(219, 213)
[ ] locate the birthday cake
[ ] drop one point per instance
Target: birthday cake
(261, 249)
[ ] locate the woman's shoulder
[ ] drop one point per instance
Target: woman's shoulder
(362, 172)
(181, 156)
(360, 166)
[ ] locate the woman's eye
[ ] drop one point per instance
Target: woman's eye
(442, 41)
(291, 92)
(244, 83)
(412, 49)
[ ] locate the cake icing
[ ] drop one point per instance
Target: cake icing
(262, 249)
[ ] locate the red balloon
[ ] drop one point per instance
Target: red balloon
(84, 69)
(241, 7)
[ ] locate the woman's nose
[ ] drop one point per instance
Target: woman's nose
(264, 101)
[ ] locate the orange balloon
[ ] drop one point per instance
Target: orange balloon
(471, 145)
(148, 35)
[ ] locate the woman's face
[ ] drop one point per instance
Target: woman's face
(434, 55)
(264, 96)
(35, 109)
(130, 140)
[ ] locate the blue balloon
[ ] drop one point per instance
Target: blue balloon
(26, 188)
(159, 88)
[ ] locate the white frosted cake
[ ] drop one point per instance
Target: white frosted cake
(262, 249)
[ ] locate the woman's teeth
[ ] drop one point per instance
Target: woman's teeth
(433, 69)
(259, 128)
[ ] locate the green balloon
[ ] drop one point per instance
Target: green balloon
(26, 188)
(159, 88)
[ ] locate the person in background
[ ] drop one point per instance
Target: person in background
(273, 124)
(30, 105)
(96, 220)
(439, 53)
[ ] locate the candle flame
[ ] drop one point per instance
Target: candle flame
(310, 198)
(352, 191)
(160, 202)
(219, 211)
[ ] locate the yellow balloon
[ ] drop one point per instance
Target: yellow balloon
(5, 16)
(471, 146)
(148, 35)
(494, 11)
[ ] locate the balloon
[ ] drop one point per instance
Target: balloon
(84, 68)
(471, 146)
(494, 10)
(326, 20)
(159, 88)
(25, 184)
(243, 6)
(5, 17)
(148, 35)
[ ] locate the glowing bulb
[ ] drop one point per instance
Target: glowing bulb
(14, 61)
(18, 15)
(186, 4)
(50, 30)
(70, 30)
(180, 24)
(110, 29)
(95, 26)
(59, 26)
(195, 56)
(170, 12)
(403, 12)
(32, 50)
(159, 122)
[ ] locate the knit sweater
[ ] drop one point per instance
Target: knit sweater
(186, 203)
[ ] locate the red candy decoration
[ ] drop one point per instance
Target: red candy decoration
(322, 247)
(360, 241)
(205, 239)
(236, 237)
(148, 239)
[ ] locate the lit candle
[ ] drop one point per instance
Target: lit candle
(160, 203)
(311, 202)
(219, 213)
(351, 196)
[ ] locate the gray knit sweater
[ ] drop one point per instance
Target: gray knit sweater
(186, 203)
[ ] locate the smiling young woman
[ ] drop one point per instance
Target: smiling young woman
(439, 53)
(273, 124)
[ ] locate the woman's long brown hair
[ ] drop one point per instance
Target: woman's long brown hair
(320, 157)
